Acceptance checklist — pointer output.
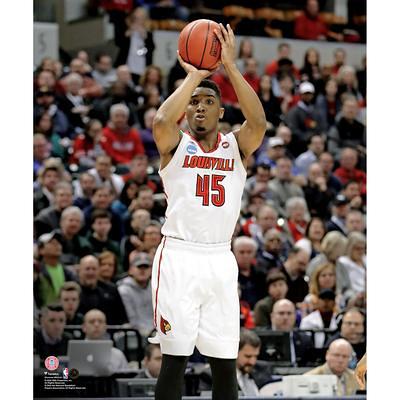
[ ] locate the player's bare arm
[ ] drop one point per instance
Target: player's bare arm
(165, 127)
(253, 129)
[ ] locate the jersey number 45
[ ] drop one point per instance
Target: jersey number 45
(209, 187)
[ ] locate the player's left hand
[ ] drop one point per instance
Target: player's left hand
(228, 44)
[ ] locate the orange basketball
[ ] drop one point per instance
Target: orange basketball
(198, 45)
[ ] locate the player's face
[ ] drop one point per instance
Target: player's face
(203, 111)
(247, 358)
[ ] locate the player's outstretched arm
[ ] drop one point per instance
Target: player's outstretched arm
(253, 129)
(360, 371)
(165, 127)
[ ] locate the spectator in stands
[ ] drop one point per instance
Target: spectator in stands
(310, 25)
(333, 246)
(151, 79)
(294, 269)
(285, 92)
(73, 104)
(98, 294)
(86, 147)
(269, 101)
(348, 171)
(49, 175)
(134, 92)
(326, 161)
(251, 73)
(99, 237)
(328, 104)
(282, 186)
(303, 119)
(150, 237)
(354, 261)
(45, 101)
(151, 362)
(351, 324)
(43, 124)
(137, 51)
(257, 184)
(355, 222)
(74, 246)
(340, 209)
(84, 57)
(50, 339)
(104, 73)
(283, 52)
(314, 232)
(103, 174)
(84, 189)
(122, 205)
(145, 200)
(316, 145)
(275, 150)
(347, 130)
(277, 289)
(120, 141)
(135, 291)
(271, 254)
(297, 218)
(95, 328)
(102, 199)
(317, 193)
(311, 70)
(284, 132)
(138, 172)
(323, 317)
(337, 358)
(41, 151)
(249, 350)
(251, 280)
(246, 50)
(353, 193)
(139, 220)
(52, 273)
(347, 82)
(90, 88)
(339, 59)
(108, 266)
(49, 218)
(283, 318)
(146, 136)
(69, 299)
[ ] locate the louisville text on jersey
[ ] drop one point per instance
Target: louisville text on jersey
(214, 163)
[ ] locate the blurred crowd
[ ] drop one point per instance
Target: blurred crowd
(300, 241)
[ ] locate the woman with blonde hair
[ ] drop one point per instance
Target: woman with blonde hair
(333, 246)
(354, 263)
(108, 263)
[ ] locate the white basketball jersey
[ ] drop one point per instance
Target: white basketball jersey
(204, 190)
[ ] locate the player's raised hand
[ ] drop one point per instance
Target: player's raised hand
(228, 44)
(204, 73)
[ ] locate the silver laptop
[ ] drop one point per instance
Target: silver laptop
(90, 357)
(309, 385)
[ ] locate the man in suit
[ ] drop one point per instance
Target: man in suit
(283, 318)
(337, 358)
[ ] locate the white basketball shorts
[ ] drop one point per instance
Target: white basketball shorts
(195, 299)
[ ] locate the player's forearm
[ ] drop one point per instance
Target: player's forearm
(248, 99)
(175, 105)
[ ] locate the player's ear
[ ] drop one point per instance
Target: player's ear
(221, 112)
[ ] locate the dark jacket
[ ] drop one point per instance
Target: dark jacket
(44, 349)
(106, 298)
(46, 221)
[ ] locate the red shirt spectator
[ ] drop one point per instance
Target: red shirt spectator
(309, 25)
(120, 141)
(228, 95)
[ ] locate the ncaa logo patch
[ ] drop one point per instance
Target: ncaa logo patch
(225, 145)
(191, 148)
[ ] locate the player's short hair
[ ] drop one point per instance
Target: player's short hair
(248, 337)
(207, 83)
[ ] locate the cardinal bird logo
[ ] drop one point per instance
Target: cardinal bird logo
(165, 326)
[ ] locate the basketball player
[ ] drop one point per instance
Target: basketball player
(195, 274)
